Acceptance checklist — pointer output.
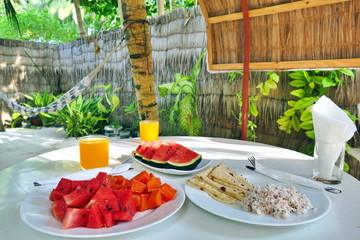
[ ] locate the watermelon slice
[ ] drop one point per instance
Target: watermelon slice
(75, 217)
(164, 152)
(183, 159)
(151, 150)
(141, 149)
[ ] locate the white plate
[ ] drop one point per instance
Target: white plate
(201, 166)
(319, 200)
(36, 212)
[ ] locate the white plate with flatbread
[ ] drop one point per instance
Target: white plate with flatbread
(319, 200)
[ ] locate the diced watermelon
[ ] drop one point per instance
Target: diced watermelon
(92, 186)
(56, 195)
(95, 219)
(64, 187)
(104, 193)
(78, 183)
(127, 205)
(75, 217)
(107, 209)
(58, 209)
(77, 198)
(102, 177)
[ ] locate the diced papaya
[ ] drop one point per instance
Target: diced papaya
(144, 202)
(143, 176)
(153, 184)
(137, 187)
(155, 199)
(167, 192)
(137, 200)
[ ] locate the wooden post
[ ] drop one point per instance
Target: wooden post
(140, 50)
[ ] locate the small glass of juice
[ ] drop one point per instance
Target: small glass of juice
(94, 152)
(149, 130)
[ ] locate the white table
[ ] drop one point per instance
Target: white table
(190, 222)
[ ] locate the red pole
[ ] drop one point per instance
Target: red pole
(245, 89)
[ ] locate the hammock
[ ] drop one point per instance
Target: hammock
(65, 99)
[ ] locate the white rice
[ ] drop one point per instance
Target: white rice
(275, 200)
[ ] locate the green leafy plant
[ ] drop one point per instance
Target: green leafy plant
(310, 86)
(84, 116)
(183, 114)
(41, 100)
(264, 90)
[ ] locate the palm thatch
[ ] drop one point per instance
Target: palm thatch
(284, 34)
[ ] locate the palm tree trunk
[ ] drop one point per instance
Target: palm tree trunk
(140, 50)
(79, 18)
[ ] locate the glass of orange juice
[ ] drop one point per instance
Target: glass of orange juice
(149, 130)
(94, 151)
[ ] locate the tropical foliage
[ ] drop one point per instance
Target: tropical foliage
(264, 89)
(310, 86)
(183, 114)
(38, 25)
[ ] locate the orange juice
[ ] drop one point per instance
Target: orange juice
(149, 130)
(94, 152)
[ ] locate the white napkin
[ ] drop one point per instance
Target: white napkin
(291, 178)
(85, 174)
(331, 126)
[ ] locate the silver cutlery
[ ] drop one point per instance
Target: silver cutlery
(288, 177)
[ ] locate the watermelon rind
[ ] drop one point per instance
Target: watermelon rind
(190, 165)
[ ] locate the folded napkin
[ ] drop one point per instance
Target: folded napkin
(85, 174)
(291, 178)
(332, 129)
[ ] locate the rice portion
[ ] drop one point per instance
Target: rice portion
(275, 200)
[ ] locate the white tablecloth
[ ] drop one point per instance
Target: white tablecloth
(190, 222)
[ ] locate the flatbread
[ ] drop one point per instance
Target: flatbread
(238, 193)
(221, 183)
(224, 175)
(211, 191)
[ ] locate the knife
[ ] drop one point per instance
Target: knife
(288, 177)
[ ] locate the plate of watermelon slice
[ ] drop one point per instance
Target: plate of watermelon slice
(36, 210)
(169, 157)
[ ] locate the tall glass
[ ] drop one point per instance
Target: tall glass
(149, 130)
(328, 162)
(94, 152)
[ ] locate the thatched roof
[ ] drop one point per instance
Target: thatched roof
(285, 34)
